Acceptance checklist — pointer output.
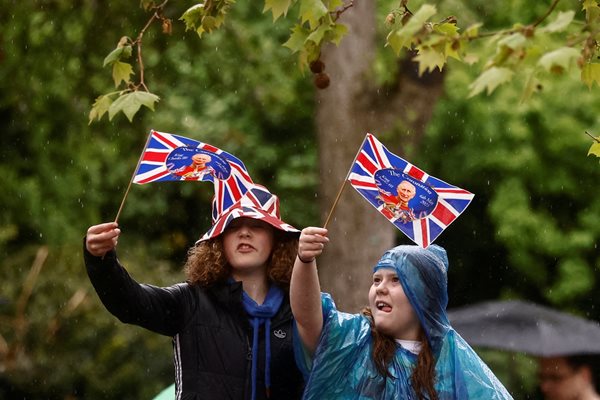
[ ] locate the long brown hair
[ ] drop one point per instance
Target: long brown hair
(206, 263)
(384, 349)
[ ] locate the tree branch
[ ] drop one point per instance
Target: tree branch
(157, 15)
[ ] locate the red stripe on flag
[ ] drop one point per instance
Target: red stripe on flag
(416, 172)
(233, 186)
(155, 156)
(372, 141)
(359, 183)
(452, 190)
(219, 189)
(366, 163)
(154, 177)
(210, 148)
(442, 213)
(163, 138)
(241, 171)
(424, 233)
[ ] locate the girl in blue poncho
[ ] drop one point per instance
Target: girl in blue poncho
(400, 347)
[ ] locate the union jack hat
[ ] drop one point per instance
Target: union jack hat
(257, 203)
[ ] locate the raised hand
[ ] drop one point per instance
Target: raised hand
(102, 238)
(311, 244)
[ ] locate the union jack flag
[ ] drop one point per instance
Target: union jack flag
(378, 173)
(169, 157)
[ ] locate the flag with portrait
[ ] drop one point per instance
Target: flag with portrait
(418, 204)
(169, 157)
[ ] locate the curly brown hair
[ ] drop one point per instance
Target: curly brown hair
(206, 263)
(384, 348)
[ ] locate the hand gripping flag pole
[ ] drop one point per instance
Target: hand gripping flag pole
(133, 176)
(344, 183)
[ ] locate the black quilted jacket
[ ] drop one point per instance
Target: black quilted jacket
(211, 333)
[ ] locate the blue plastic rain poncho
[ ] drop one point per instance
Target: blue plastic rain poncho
(342, 366)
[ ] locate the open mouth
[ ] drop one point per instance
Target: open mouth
(383, 306)
(244, 247)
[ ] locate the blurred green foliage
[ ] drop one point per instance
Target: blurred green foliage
(532, 230)
(238, 89)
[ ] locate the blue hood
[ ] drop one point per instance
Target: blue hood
(424, 278)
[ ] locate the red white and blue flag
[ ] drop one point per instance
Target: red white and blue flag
(169, 157)
(418, 204)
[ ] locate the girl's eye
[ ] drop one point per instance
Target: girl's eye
(232, 227)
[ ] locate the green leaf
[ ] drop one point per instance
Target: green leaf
(99, 108)
(446, 28)
(592, 10)
(121, 72)
(530, 87)
(336, 34)
(147, 4)
(404, 37)
(209, 23)
(277, 7)
(317, 35)
(451, 51)
(472, 31)
(595, 149)
(429, 59)
(117, 54)
(192, 16)
(490, 80)
(561, 22)
(559, 59)
(515, 41)
(333, 4)
(297, 39)
(131, 102)
(312, 11)
(590, 73)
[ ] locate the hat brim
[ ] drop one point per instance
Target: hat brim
(248, 212)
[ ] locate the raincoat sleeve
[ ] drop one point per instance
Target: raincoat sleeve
(343, 344)
(158, 309)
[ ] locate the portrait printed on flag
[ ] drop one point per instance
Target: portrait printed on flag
(192, 164)
(420, 205)
(406, 198)
(169, 157)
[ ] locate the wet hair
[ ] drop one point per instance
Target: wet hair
(384, 349)
(206, 263)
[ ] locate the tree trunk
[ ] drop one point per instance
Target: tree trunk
(349, 108)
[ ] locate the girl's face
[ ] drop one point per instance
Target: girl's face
(392, 312)
(247, 244)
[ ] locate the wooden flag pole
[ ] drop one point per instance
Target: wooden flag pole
(344, 183)
(133, 176)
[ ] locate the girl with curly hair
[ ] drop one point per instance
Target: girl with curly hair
(231, 320)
